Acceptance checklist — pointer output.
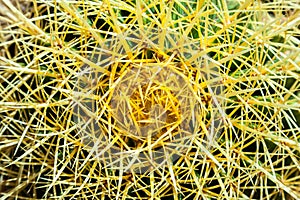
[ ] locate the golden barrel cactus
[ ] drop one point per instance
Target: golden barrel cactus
(138, 99)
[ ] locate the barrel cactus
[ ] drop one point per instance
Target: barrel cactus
(140, 99)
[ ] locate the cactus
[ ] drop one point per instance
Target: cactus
(142, 99)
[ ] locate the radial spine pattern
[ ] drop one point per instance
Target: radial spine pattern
(143, 99)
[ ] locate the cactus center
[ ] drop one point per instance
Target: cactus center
(154, 110)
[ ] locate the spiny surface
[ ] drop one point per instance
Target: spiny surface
(249, 50)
